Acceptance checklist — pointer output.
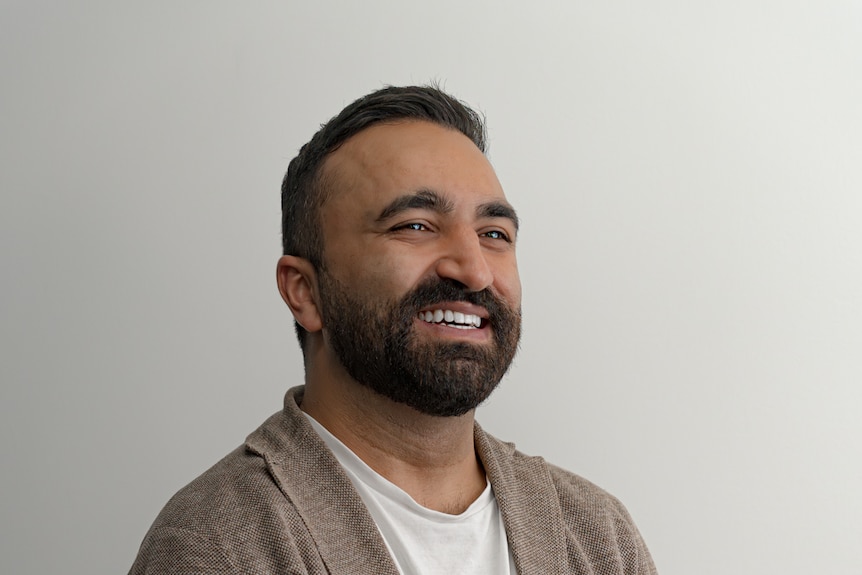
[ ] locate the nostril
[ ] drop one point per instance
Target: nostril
(465, 266)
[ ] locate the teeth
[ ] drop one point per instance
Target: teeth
(451, 318)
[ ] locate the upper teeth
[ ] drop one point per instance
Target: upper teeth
(462, 320)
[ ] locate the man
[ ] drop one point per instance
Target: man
(399, 268)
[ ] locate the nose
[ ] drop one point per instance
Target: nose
(464, 261)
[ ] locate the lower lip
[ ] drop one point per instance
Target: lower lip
(442, 330)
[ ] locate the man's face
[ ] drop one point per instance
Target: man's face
(419, 290)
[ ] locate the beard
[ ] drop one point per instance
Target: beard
(377, 344)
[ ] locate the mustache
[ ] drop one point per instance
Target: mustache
(437, 290)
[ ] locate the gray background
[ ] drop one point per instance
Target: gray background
(688, 174)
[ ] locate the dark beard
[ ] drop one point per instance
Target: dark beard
(376, 344)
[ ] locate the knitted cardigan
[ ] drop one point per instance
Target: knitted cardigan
(281, 504)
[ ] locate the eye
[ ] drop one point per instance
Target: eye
(411, 226)
(496, 235)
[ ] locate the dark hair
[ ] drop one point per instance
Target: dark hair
(305, 188)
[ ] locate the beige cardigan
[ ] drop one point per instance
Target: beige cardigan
(281, 504)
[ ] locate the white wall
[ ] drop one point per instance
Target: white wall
(689, 178)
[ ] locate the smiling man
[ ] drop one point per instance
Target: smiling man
(399, 269)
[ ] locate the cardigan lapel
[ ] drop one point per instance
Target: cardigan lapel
(312, 480)
(529, 505)
(347, 538)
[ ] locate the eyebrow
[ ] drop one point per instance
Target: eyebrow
(426, 199)
(420, 200)
(499, 210)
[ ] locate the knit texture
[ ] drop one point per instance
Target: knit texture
(281, 504)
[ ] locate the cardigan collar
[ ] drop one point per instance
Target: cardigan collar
(310, 477)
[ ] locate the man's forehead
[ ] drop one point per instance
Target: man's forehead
(406, 156)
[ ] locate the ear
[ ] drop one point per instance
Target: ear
(297, 283)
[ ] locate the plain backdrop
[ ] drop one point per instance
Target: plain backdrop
(688, 174)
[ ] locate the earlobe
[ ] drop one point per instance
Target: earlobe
(297, 283)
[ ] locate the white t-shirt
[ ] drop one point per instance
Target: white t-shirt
(423, 541)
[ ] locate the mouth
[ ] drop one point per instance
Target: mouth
(451, 318)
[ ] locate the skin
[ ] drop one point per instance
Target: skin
(412, 199)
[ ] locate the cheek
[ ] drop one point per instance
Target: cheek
(508, 282)
(389, 275)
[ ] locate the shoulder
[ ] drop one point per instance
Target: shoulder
(578, 493)
(212, 502)
(594, 531)
(241, 491)
(574, 492)
(197, 529)
(239, 516)
(187, 535)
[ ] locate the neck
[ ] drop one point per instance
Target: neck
(431, 458)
